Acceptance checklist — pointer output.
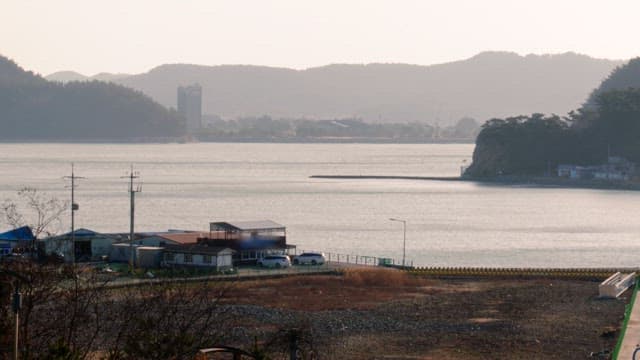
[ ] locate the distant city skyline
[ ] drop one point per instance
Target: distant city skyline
(123, 36)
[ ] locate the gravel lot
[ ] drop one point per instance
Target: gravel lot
(385, 314)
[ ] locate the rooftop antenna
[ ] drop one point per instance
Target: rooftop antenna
(133, 189)
(74, 208)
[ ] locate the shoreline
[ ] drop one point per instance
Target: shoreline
(389, 177)
(538, 182)
(183, 140)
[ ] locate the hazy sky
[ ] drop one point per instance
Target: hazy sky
(133, 36)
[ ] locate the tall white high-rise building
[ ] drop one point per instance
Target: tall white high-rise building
(190, 106)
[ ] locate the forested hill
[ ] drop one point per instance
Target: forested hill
(32, 108)
(623, 77)
(535, 145)
(491, 84)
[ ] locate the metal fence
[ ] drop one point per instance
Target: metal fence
(360, 259)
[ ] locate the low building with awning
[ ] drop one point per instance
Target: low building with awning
(251, 240)
(193, 255)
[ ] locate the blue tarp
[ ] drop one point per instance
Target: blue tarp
(22, 233)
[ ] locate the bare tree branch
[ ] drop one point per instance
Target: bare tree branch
(35, 209)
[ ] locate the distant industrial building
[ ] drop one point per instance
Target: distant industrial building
(190, 106)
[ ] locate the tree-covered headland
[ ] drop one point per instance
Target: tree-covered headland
(534, 145)
(32, 108)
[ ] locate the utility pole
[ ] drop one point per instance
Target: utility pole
(132, 192)
(74, 208)
(16, 305)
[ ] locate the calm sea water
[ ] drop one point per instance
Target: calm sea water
(186, 186)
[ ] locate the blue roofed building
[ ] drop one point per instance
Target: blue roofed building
(89, 245)
(20, 238)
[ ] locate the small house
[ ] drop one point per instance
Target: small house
(197, 256)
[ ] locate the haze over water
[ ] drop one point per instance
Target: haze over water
(186, 186)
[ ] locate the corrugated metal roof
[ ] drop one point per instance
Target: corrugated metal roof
(247, 225)
(21, 233)
(196, 249)
(184, 238)
(82, 232)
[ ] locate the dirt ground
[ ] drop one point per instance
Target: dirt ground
(386, 314)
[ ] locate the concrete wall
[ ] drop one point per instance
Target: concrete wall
(616, 284)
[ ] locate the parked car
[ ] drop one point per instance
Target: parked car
(313, 258)
(275, 261)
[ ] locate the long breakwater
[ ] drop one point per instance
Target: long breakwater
(594, 274)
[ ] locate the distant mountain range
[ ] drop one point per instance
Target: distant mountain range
(490, 84)
(67, 76)
(32, 108)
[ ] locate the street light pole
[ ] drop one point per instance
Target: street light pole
(404, 238)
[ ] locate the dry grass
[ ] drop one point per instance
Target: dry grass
(376, 277)
(351, 289)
